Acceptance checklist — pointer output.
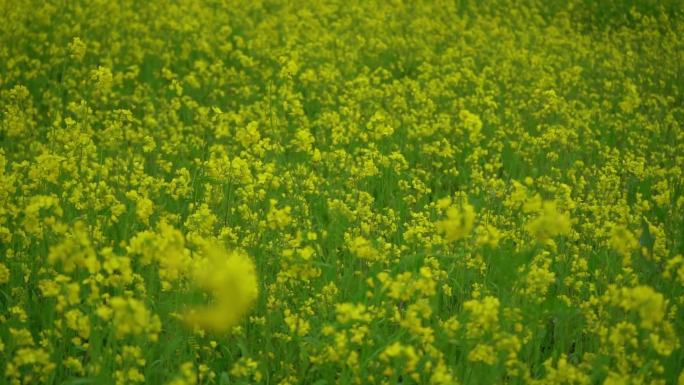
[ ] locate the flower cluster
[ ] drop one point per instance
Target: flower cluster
(325, 192)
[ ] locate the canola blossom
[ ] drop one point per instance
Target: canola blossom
(231, 280)
(342, 192)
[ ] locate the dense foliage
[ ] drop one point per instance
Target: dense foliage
(341, 192)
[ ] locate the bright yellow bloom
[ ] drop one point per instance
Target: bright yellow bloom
(363, 248)
(130, 317)
(538, 280)
(230, 277)
(482, 353)
(484, 315)
(648, 303)
(459, 222)
(77, 49)
(623, 241)
(278, 218)
(549, 222)
(347, 312)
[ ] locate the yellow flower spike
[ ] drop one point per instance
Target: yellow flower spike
(484, 316)
(230, 277)
(4, 273)
(549, 222)
(77, 49)
(363, 248)
(458, 224)
(131, 317)
(482, 353)
(623, 242)
(279, 218)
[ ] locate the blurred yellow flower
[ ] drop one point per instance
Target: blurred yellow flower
(4, 273)
(230, 277)
(459, 222)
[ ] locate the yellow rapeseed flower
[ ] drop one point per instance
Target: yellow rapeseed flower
(230, 277)
(459, 222)
(4, 273)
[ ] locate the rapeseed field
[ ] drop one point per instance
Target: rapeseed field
(341, 192)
